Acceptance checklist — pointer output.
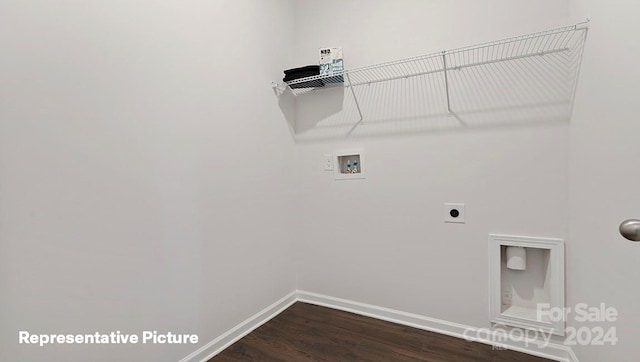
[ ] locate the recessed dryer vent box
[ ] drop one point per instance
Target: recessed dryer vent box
(527, 282)
(348, 165)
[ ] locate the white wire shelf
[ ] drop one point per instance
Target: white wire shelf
(545, 62)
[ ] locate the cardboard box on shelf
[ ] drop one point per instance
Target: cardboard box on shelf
(331, 63)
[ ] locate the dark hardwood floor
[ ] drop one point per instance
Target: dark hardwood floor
(306, 332)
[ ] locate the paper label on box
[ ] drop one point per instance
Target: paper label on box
(331, 63)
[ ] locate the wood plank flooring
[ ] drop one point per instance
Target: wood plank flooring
(306, 332)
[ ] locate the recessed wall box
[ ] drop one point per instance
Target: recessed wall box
(349, 165)
(525, 296)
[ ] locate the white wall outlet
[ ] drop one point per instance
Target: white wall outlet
(454, 213)
(328, 162)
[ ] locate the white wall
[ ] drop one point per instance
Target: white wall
(146, 170)
(527, 287)
(602, 267)
(383, 240)
(141, 171)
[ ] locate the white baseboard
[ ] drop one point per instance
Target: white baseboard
(231, 336)
(552, 351)
(572, 356)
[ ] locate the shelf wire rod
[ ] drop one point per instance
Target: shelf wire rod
(389, 72)
(556, 67)
(486, 75)
(492, 52)
(510, 76)
(520, 48)
(511, 58)
(584, 27)
(486, 52)
(539, 43)
(480, 85)
(505, 49)
(553, 77)
(451, 112)
(422, 66)
(418, 66)
(516, 73)
(446, 80)
(407, 69)
(415, 92)
(469, 82)
(382, 79)
(515, 49)
(535, 44)
(412, 67)
(509, 49)
(355, 99)
(557, 41)
(550, 42)
(401, 69)
(576, 55)
(541, 80)
(428, 65)
(546, 42)
(574, 34)
(566, 38)
(383, 76)
(555, 71)
(517, 39)
(467, 58)
(527, 47)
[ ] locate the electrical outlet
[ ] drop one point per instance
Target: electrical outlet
(328, 162)
(454, 213)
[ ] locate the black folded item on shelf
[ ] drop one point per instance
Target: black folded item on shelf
(303, 72)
